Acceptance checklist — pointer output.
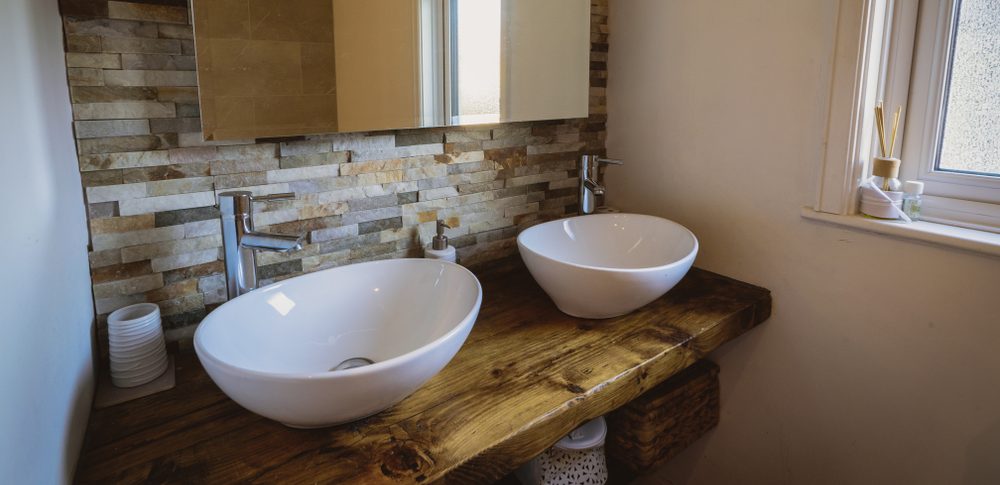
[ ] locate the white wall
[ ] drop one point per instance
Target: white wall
(45, 314)
(880, 363)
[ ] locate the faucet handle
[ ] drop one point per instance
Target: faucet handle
(273, 197)
(610, 161)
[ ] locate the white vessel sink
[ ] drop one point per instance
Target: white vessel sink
(606, 265)
(272, 350)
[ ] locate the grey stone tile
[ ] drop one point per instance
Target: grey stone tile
(110, 128)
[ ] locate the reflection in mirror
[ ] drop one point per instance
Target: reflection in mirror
(475, 61)
(292, 67)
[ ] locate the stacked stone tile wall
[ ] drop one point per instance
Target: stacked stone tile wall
(151, 182)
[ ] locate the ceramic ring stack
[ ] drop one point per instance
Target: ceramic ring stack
(136, 346)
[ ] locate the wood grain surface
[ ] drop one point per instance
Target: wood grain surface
(525, 377)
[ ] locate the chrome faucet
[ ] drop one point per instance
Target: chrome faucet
(240, 240)
(589, 188)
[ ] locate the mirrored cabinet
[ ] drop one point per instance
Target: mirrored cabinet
(270, 68)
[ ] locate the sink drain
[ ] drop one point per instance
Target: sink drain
(352, 363)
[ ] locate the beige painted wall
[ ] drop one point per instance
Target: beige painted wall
(718, 109)
(378, 64)
(46, 310)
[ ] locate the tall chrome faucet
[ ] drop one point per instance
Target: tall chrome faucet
(240, 240)
(589, 174)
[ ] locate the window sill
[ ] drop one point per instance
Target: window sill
(939, 234)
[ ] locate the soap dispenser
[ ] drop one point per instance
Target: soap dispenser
(439, 247)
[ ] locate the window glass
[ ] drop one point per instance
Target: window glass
(971, 136)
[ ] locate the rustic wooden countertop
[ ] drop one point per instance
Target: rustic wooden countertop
(525, 377)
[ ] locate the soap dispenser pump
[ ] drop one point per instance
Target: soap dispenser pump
(439, 247)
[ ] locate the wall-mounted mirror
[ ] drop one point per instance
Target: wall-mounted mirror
(271, 68)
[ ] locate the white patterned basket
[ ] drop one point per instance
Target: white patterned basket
(577, 459)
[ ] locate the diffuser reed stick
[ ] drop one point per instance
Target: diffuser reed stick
(895, 126)
(880, 124)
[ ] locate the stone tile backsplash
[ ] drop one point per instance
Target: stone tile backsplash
(151, 181)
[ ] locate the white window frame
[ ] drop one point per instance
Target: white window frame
(881, 54)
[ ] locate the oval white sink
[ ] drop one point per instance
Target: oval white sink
(272, 350)
(606, 265)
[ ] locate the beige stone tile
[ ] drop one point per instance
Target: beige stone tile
(173, 290)
(534, 179)
(245, 165)
(361, 142)
(399, 152)
(323, 210)
(181, 305)
(108, 257)
(304, 173)
(292, 20)
(147, 11)
(109, 27)
(304, 147)
(122, 224)
(104, 306)
(555, 148)
(96, 61)
(276, 217)
(179, 186)
(150, 78)
(354, 168)
(138, 45)
(83, 43)
(132, 143)
(162, 62)
(440, 193)
(79, 76)
(202, 228)
(325, 261)
(425, 172)
(102, 242)
(115, 192)
(107, 94)
(331, 233)
(238, 180)
(123, 110)
(177, 94)
(166, 203)
(175, 261)
(174, 31)
(197, 140)
(199, 155)
(259, 150)
(329, 158)
(124, 160)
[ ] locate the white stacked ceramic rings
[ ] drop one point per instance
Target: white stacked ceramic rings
(136, 346)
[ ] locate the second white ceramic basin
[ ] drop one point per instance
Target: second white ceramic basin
(273, 350)
(606, 265)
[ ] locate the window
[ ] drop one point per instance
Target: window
(940, 61)
(970, 117)
(951, 92)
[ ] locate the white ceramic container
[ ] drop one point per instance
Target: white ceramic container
(273, 350)
(606, 265)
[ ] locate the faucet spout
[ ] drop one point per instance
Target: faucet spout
(594, 187)
(271, 242)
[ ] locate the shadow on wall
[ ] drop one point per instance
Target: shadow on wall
(983, 463)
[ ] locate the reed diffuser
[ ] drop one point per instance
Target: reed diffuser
(886, 168)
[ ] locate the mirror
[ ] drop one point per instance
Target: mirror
(270, 68)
